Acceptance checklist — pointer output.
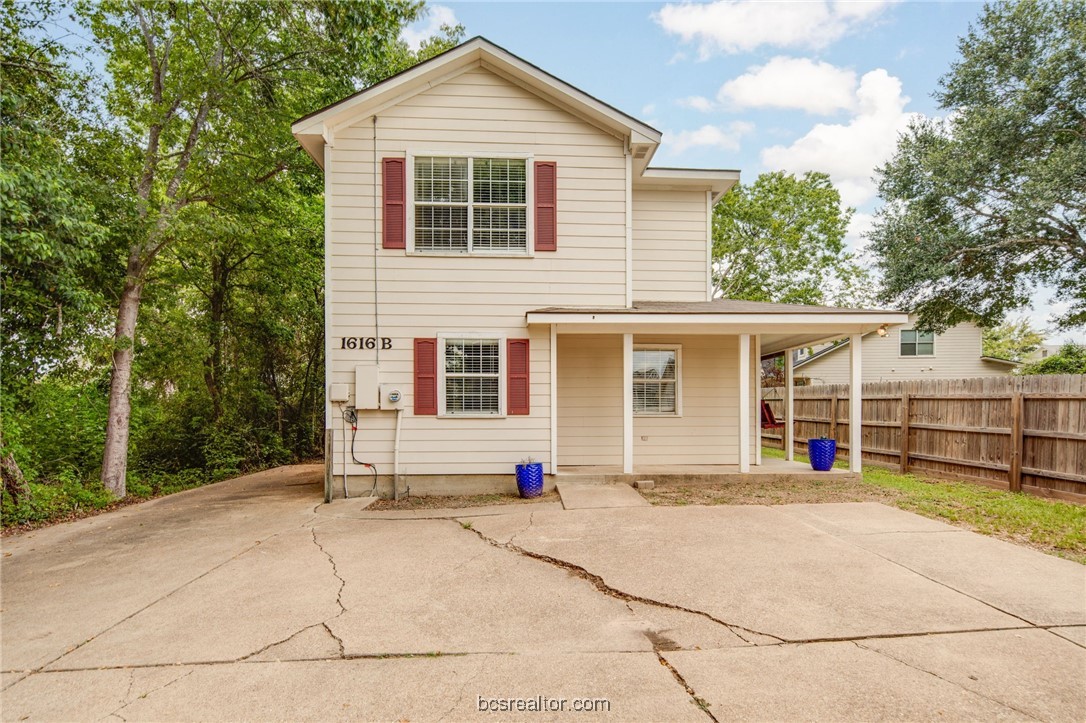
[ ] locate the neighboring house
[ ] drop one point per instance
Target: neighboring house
(1045, 351)
(507, 277)
(905, 353)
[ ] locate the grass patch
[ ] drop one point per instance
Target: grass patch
(431, 503)
(66, 498)
(1055, 527)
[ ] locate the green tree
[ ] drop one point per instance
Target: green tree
(1012, 340)
(200, 98)
(782, 239)
(49, 239)
(987, 204)
(1071, 359)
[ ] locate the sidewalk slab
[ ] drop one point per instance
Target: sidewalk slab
(1045, 679)
(586, 497)
(825, 682)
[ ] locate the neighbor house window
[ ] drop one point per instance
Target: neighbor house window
(656, 380)
(915, 343)
(471, 205)
(472, 372)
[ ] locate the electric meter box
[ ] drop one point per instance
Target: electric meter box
(391, 396)
(367, 383)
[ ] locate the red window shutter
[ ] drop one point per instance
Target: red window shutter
(516, 366)
(546, 206)
(425, 376)
(395, 202)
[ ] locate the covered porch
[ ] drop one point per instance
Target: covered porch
(666, 390)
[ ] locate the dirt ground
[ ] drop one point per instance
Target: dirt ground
(759, 491)
(462, 501)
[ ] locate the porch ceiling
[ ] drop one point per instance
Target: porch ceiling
(780, 326)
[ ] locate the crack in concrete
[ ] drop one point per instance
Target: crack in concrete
(326, 659)
(339, 593)
(460, 695)
(531, 521)
(159, 599)
(117, 712)
(601, 585)
(956, 684)
(920, 574)
(700, 702)
(269, 646)
(1052, 628)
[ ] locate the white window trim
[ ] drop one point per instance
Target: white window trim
(529, 170)
(678, 349)
(934, 337)
(445, 336)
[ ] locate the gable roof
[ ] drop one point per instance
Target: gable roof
(845, 342)
(318, 128)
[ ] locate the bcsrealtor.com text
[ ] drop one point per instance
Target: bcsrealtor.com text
(542, 704)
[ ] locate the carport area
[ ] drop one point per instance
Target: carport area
(250, 599)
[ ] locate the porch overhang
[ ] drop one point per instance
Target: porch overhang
(780, 326)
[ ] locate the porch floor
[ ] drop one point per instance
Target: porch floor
(770, 468)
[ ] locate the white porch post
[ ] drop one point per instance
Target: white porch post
(554, 398)
(757, 398)
(855, 404)
(627, 403)
(789, 411)
(744, 402)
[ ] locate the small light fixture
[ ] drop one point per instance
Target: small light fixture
(881, 331)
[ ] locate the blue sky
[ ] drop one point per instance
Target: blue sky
(757, 86)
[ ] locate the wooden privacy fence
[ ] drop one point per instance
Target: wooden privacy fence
(1018, 433)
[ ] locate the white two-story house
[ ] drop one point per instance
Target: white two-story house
(906, 353)
(507, 277)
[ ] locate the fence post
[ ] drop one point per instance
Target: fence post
(833, 417)
(1014, 475)
(905, 412)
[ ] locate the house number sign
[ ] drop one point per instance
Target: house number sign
(365, 342)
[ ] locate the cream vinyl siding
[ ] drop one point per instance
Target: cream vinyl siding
(957, 356)
(708, 431)
(476, 112)
(589, 399)
(669, 246)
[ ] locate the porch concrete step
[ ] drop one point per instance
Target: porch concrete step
(598, 496)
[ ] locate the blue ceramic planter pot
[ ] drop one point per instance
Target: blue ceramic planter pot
(530, 479)
(822, 453)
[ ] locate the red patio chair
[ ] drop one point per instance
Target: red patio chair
(768, 420)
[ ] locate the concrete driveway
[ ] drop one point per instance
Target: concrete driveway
(251, 600)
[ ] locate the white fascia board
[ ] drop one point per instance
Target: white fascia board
(717, 181)
(768, 322)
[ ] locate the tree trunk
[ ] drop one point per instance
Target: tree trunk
(115, 456)
(220, 277)
(14, 482)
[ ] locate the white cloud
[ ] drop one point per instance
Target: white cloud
(735, 26)
(697, 102)
(783, 82)
(723, 137)
(647, 110)
(851, 151)
(859, 225)
(429, 26)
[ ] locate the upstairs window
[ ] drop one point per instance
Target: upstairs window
(470, 205)
(915, 343)
(656, 380)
